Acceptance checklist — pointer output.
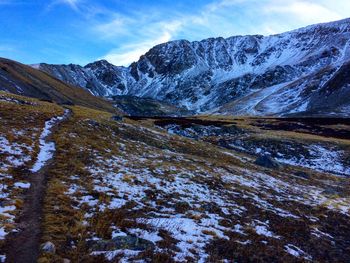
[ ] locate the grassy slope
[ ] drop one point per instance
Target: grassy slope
(193, 198)
(21, 122)
(38, 84)
(122, 175)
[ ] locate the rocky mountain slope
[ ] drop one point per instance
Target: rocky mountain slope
(24, 80)
(100, 78)
(302, 71)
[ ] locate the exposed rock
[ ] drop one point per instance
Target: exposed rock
(93, 123)
(211, 208)
(122, 242)
(267, 161)
(48, 247)
(135, 106)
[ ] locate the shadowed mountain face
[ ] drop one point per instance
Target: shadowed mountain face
(27, 81)
(301, 71)
(100, 78)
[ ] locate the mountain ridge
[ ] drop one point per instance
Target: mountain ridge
(210, 75)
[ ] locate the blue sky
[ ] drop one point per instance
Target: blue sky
(82, 31)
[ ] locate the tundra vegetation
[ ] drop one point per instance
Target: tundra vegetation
(177, 189)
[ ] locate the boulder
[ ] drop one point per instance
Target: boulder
(48, 247)
(121, 242)
(267, 161)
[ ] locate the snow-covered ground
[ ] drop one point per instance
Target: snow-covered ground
(248, 105)
(190, 198)
(324, 159)
(12, 155)
(321, 157)
(47, 148)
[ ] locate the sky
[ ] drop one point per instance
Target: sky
(83, 31)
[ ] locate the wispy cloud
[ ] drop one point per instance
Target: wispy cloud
(129, 53)
(305, 11)
(160, 33)
(74, 4)
(119, 25)
(138, 34)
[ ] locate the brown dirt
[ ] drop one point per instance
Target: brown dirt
(23, 246)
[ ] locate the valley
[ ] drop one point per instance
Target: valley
(178, 189)
(231, 149)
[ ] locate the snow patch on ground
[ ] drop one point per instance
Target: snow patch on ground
(5, 211)
(261, 229)
(321, 159)
(189, 198)
(47, 148)
(13, 154)
(22, 185)
(297, 252)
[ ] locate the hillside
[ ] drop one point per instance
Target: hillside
(304, 71)
(204, 189)
(24, 80)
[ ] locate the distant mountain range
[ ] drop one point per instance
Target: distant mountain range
(302, 72)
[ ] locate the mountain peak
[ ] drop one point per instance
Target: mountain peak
(210, 75)
(99, 63)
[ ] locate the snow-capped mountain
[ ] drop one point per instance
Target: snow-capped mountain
(305, 70)
(100, 78)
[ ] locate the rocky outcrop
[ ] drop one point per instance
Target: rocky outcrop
(121, 242)
(267, 161)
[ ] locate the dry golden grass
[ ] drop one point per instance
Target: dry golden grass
(90, 137)
(94, 131)
(20, 124)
